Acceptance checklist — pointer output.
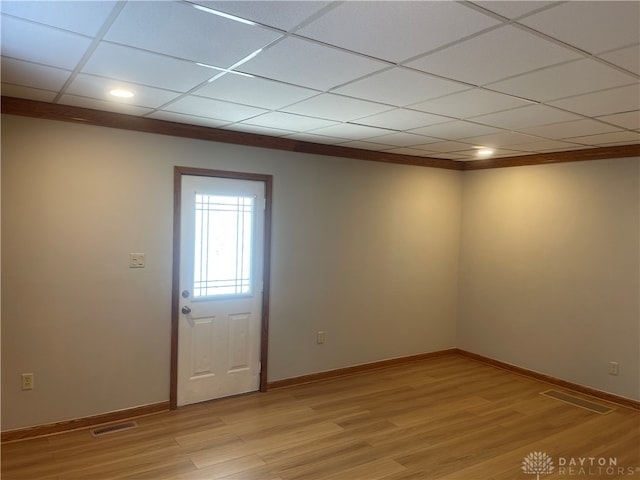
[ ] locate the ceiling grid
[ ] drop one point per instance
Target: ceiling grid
(428, 79)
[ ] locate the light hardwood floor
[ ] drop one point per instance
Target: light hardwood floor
(444, 418)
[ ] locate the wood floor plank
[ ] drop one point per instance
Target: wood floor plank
(225, 468)
(446, 418)
(214, 455)
(376, 470)
(330, 461)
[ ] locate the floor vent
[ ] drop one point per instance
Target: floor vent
(578, 402)
(117, 427)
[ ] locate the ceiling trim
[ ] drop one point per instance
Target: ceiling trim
(599, 153)
(66, 113)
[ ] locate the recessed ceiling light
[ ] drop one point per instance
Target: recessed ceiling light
(120, 93)
(484, 151)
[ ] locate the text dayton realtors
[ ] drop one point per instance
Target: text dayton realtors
(593, 466)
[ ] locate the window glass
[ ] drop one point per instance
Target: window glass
(223, 245)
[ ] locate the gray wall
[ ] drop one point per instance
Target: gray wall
(550, 276)
(367, 252)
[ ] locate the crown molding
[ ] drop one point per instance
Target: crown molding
(67, 113)
(600, 153)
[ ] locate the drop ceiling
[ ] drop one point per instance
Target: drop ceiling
(435, 79)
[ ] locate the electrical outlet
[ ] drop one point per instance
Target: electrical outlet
(613, 368)
(320, 337)
(27, 381)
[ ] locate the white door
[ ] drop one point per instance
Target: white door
(221, 262)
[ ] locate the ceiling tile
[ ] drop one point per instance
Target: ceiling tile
(27, 92)
(608, 138)
(402, 139)
(98, 88)
(350, 131)
(311, 65)
(427, 146)
(470, 103)
(569, 129)
(455, 130)
(446, 147)
(401, 119)
(104, 105)
(594, 26)
(513, 9)
(206, 107)
(336, 107)
(400, 86)
(512, 51)
(86, 17)
(289, 121)
(396, 31)
(188, 119)
(137, 66)
(628, 58)
(33, 75)
(162, 27)
(528, 116)
(543, 146)
(567, 147)
(254, 91)
(561, 81)
(630, 120)
(501, 139)
(39, 44)
(616, 100)
(284, 15)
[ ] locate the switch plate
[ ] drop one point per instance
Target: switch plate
(136, 260)
(27, 381)
(320, 337)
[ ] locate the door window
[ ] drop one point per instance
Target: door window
(223, 245)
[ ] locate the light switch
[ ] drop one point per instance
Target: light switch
(136, 260)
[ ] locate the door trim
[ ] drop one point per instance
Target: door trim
(178, 172)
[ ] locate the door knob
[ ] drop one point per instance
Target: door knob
(186, 310)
